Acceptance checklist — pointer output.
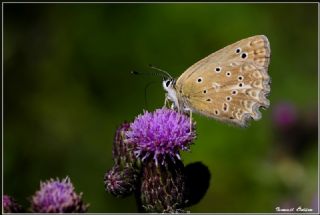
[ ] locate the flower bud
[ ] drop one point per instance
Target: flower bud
(120, 182)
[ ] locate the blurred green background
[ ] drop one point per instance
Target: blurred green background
(67, 86)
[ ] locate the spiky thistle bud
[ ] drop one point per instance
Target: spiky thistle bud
(10, 205)
(57, 196)
(121, 182)
(122, 151)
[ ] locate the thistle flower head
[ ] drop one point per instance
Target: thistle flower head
(120, 182)
(161, 134)
(57, 196)
(10, 205)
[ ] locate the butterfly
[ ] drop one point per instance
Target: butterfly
(229, 85)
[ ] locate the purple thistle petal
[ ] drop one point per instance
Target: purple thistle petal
(161, 133)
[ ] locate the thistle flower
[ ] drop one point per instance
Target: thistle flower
(163, 187)
(154, 138)
(120, 182)
(161, 134)
(10, 205)
(57, 196)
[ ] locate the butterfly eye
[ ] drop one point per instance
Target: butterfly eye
(205, 91)
(240, 85)
(238, 50)
(228, 73)
(168, 83)
(218, 69)
(234, 92)
(244, 55)
(240, 78)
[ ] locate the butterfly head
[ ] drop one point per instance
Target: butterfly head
(169, 85)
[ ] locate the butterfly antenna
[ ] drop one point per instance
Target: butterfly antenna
(163, 71)
(147, 73)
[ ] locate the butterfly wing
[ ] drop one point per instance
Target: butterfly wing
(231, 84)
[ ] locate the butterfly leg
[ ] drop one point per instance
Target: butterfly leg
(165, 100)
(190, 117)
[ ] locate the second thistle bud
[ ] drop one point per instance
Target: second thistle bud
(122, 151)
(120, 182)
